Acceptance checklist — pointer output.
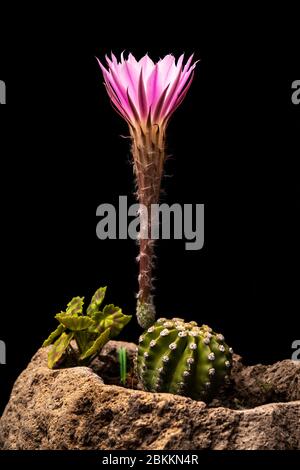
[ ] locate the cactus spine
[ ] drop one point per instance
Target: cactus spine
(183, 358)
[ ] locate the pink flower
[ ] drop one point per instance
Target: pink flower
(145, 93)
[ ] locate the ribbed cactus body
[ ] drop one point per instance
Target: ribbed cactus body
(183, 358)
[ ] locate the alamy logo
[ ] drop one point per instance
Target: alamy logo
(2, 352)
(296, 94)
(296, 354)
(2, 92)
(176, 221)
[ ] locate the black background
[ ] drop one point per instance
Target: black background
(234, 146)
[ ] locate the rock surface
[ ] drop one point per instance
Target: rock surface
(74, 409)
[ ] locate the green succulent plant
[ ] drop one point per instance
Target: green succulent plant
(80, 336)
(183, 358)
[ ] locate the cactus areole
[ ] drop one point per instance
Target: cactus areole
(183, 358)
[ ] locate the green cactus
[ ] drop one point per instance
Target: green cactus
(183, 358)
(89, 333)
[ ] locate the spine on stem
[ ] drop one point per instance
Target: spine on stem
(148, 149)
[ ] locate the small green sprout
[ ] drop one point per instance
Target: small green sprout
(80, 337)
(123, 364)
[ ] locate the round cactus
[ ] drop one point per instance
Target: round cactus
(183, 358)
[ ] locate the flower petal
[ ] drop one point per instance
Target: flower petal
(142, 97)
(147, 66)
(144, 91)
(172, 92)
(132, 107)
(114, 97)
(152, 88)
(159, 106)
(116, 105)
(179, 100)
(187, 65)
(179, 61)
(132, 79)
(182, 82)
(165, 64)
(132, 60)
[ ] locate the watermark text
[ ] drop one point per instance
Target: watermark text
(180, 222)
(2, 92)
(296, 94)
(2, 352)
(296, 353)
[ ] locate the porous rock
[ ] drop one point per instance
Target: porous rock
(74, 409)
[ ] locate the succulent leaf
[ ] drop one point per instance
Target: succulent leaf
(90, 331)
(75, 306)
(97, 345)
(96, 301)
(73, 322)
(59, 330)
(58, 349)
(113, 318)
